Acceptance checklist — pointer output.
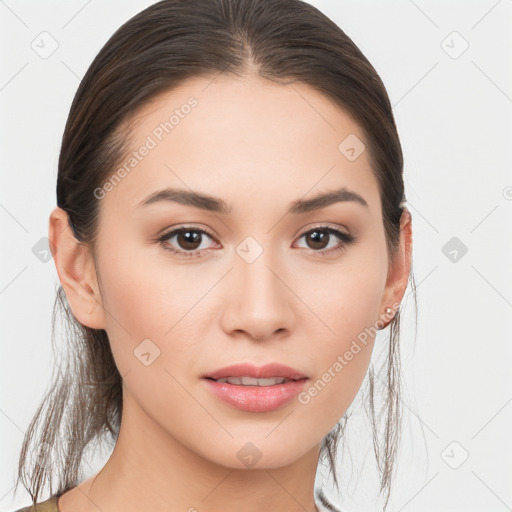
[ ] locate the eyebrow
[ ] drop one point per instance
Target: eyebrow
(217, 205)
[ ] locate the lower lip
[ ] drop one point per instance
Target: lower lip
(256, 398)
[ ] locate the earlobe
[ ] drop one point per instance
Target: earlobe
(76, 271)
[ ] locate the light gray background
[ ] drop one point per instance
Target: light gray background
(454, 118)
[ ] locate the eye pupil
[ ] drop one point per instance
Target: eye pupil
(318, 238)
(184, 239)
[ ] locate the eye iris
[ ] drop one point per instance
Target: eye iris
(189, 239)
(318, 238)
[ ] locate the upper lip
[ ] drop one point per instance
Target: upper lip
(258, 372)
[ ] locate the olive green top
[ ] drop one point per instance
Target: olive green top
(51, 505)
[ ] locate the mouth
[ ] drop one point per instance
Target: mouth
(256, 389)
(247, 374)
(268, 394)
(253, 381)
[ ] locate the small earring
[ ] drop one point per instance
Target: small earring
(388, 312)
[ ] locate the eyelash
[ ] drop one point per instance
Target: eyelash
(346, 239)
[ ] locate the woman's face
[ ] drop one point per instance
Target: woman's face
(254, 279)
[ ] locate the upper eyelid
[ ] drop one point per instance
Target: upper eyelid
(326, 227)
(168, 232)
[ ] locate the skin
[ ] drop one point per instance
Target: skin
(258, 146)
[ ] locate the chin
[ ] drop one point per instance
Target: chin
(260, 452)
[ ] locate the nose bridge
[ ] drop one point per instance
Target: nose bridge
(256, 270)
(258, 300)
(257, 278)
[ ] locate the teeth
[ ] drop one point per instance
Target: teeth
(251, 381)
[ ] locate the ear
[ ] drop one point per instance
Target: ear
(76, 271)
(398, 272)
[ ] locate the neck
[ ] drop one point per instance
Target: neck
(150, 470)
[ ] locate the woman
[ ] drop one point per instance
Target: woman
(230, 234)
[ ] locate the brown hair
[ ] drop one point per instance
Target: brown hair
(286, 41)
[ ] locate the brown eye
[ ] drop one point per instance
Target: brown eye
(319, 238)
(185, 241)
(188, 240)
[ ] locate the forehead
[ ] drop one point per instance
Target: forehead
(244, 138)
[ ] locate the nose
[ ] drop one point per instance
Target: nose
(259, 300)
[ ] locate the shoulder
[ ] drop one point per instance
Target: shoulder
(49, 505)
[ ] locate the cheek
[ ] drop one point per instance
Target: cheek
(342, 358)
(140, 289)
(345, 298)
(146, 296)
(146, 323)
(347, 306)
(130, 299)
